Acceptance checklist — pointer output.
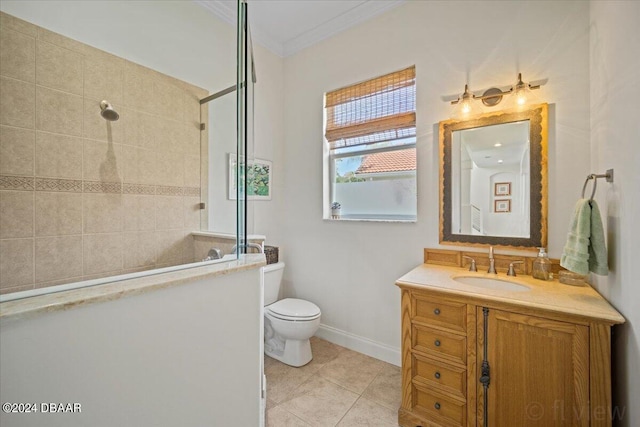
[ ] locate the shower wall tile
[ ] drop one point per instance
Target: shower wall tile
(17, 103)
(9, 22)
(169, 212)
(189, 248)
(16, 262)
(59, 68)
(102, 253)
(17, 147)
(58, 214)
(97, 128)
(138, 88)
(58, 156)
(191, 140)
(141, 130)
(192, 171)
(16, 214)
(104, 78)
(60, 40)
(170, 136)
(191, 107)
(139, 212)
(168, 100)
(17, 55)
(83, 197)
(58, 112)
(170, 246)
(192, 213)
(66, 280)
(170, 169)
(139, 165)
(102, 213)
(58, 258)
(139, 249)
(102, 161)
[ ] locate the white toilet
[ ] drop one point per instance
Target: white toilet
(288, 323)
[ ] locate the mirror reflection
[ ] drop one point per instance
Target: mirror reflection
(493, 176)
(490, 180)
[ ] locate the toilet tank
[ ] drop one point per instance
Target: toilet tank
(272, 281)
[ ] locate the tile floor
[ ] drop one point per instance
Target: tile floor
(339, 387)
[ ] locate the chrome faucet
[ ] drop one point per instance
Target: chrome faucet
(214, 253)
(492, 262)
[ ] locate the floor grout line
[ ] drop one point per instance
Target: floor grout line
(315, 374)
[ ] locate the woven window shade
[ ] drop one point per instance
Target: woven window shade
(376, 110)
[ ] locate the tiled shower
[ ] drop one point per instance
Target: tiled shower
(82, 197)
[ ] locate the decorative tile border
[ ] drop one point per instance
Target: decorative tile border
(192, 191)
(102, 187)
(149, 190)
(10, 182)
(16, 183)
(66, 185)
(163, 190)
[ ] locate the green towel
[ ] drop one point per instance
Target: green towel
(585, 249)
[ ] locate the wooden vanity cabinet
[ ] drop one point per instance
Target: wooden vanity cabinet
(545, 369)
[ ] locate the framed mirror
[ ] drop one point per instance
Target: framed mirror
(493, 179)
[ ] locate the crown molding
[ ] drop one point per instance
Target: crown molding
(220, 9)
(353, 17)
(358, 14)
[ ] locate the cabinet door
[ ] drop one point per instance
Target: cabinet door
(539, 371)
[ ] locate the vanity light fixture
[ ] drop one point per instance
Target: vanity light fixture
(492, 96)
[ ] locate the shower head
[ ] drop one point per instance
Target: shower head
(107, 112)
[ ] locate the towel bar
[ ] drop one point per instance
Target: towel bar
(594, 177)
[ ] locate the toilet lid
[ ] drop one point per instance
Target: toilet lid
(292, 307)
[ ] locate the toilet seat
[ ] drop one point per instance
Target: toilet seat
(293, 309)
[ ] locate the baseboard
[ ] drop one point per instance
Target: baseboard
(360, 344)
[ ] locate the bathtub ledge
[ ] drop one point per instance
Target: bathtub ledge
(69, 299)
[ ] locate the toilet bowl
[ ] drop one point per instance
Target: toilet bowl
(288, 323)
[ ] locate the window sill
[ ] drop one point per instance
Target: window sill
(390, 220)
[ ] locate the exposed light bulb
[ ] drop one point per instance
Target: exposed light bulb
(465, 101)
(497, 144)
(521, 91)
(521, 96)
(501, 161)
(465, 106)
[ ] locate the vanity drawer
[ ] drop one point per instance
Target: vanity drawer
(438, 409)
(439, 312)
(440, 375)
(440, 344)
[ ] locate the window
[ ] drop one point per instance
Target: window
(370, 129)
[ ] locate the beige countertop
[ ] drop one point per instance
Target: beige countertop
(547, 295)
(67, 299)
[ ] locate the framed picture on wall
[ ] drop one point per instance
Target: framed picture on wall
(502, 206)
(258, 178)
(502, 189)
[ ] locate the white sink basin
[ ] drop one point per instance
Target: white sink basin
(491, 283)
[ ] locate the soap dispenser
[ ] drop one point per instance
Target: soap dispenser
(542, 266)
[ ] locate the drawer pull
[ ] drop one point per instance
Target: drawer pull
(437, 406)
(437, 343)
(437, 375)
(436, 311)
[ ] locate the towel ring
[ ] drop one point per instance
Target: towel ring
(595, 185)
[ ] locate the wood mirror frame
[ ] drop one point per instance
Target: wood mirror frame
(538, 122)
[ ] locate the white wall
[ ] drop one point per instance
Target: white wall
(163, 358)
(615, 143)
(348, 268)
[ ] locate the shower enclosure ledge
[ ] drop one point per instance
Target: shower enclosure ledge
(83, 294)
(227, 235)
